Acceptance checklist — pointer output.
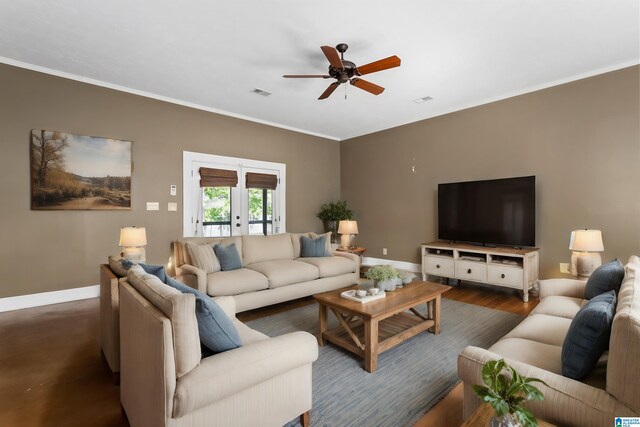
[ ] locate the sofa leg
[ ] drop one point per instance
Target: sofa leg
(305, 419)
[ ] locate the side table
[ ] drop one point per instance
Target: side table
(356, 251)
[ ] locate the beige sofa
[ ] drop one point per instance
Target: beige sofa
(272, 272)
(165, 382)
(534, 349)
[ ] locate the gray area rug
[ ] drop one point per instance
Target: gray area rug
(411, 378)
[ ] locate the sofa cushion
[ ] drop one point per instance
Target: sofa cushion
(235, 282)
(247, 335)
(542, 328)
(541, 355)
(313, 246)
(331, 265)
(295, 241)
(624, 345)
(217, 331)
(266, 248)
(228, 257)
(605, 278)
(588, 336)
(203, 257)
(560, 306)
(284, 272)
(179, 308)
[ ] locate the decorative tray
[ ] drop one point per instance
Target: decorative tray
(368, 298)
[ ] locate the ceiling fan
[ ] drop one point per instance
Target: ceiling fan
(346, 71)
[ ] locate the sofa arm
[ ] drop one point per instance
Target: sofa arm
(227, 304)
(353, 257)
(233, 371)
(192, 276)
(562, 287)
(566, 402)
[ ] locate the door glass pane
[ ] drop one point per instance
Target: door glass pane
(216, 204)
(260, 211)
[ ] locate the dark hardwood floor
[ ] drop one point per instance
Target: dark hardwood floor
(52, 374)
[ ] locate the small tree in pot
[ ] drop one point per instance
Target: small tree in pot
(331, 213)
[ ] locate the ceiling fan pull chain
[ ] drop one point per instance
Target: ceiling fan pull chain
(345, 92)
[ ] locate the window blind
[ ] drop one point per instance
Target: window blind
(218, 178)
(261, 180)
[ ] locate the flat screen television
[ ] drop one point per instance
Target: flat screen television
(491, 212)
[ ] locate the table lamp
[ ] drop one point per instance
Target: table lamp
(132, 240)
(347, 229)
(586, 246)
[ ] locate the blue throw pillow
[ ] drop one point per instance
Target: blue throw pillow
(156, 270)
(588, 336)
(228, 256)
(605, 278)
(217, 331)
(313, 247)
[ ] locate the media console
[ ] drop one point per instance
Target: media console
(507, 267)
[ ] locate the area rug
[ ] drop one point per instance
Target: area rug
(411, 378)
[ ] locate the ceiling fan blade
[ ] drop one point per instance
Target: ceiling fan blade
(382, 64)
(368, 86)
(329, 90)
(333, 56)
(306, 76)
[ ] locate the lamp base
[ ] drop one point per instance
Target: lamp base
(133, 254)
(583, 263)
(346, 241)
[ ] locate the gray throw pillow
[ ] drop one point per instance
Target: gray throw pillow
(588, 336)
(605, 278)
(156, 270)
(217, 331)
(228, 256)
(313, 246)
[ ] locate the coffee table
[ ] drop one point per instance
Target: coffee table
(368, 329)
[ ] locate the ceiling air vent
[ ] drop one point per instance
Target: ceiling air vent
(423, 99)
(260, 92)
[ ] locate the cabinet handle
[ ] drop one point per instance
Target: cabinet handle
(502, 276)
(469, 271)
(437, 265)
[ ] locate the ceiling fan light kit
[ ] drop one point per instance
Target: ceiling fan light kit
(344, 71)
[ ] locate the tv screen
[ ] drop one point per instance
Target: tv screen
(497, 211)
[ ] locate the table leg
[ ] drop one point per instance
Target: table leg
(370, 345)
(430, 309)
(436, 316)
(322, 323)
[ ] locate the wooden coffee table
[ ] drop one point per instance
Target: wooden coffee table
(368, 329)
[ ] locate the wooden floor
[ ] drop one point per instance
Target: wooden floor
(52, 374)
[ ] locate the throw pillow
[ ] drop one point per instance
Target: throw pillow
(605, 278)
(156, 270)
(217, 331)
(312, 247)
(115, 264)
(228, 256)
(327, 237)
(588, 336)
(202, 257)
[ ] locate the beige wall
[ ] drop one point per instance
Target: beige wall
(52, 250)
(581, 140)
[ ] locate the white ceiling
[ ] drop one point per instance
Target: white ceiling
(210, 54)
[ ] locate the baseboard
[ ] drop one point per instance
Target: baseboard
(46, 298)
(401, 265)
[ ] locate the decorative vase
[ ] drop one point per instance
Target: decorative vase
(331, 226)
(387, 285)
(507, 420)
(407, 280)
(398, 282)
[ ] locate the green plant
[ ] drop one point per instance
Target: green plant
(380, 273)
(335, 211)
(505, 393)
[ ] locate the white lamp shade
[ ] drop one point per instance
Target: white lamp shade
(586, 241)
(133, 236)
(348, 227)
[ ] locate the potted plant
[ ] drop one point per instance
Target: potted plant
(331, 213)
(506, 393)
(384, 277)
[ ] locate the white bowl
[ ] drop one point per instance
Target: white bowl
(373, 291)
(361, 293)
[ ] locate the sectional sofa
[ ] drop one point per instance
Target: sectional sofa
(273, 269)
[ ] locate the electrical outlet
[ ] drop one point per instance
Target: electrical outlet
(564, 267)
(172, 207)
(153, 206)
(384, 251)
(173, 190)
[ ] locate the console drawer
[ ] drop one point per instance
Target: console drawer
(473, 271)
(505, 276)
(438, 266)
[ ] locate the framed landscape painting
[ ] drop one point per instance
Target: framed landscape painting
(76, 172)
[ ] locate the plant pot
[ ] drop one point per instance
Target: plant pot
(331, 226)
(387, 285)
(507, 420)
(398, 282)
(407, 280)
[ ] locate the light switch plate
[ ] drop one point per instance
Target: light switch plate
(153, 206)
(173, 190)
(564, 267)
(172, 207)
